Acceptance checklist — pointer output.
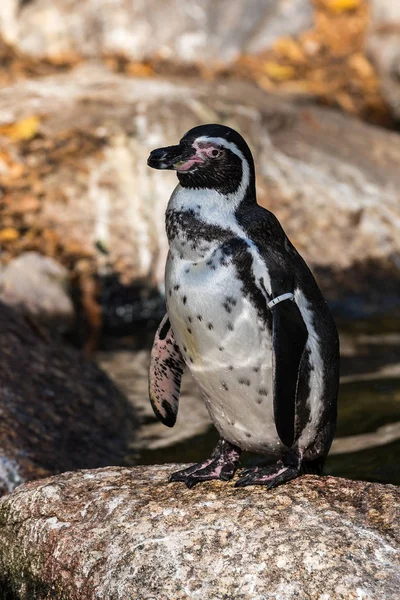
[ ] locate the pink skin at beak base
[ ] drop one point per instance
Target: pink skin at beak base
(185, 166)
(202, 151)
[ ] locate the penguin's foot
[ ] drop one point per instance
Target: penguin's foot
(269, 476)
(222, 465)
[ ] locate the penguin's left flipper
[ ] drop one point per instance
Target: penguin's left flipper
(289, 342)
(165, 374)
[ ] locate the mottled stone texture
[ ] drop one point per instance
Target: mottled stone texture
(121, 533)
(199, 31)
(58, 411)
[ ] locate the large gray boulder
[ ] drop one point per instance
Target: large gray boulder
(332, 181)
(125, 533)
(58, 410)
(198, 32)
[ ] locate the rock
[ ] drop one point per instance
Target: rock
(383, 44)
(38, 285)
(125, 533)
(58, 410)
(200, 32)
(332, 181)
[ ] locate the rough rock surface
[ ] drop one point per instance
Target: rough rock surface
(333, 181)
(198, 32)
(58, 411)
(124, 533)
(38, 285)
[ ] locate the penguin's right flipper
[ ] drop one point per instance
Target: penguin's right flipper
(165, 374)
(289, 341)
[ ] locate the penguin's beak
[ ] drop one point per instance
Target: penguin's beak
(178, 158)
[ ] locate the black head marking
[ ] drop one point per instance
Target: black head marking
(222, 170)
(209, 156)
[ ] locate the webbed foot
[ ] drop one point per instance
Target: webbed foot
(222, 465)
(271, 476)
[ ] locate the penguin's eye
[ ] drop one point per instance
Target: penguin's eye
(214, 153)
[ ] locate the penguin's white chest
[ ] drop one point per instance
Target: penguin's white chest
(226, 346)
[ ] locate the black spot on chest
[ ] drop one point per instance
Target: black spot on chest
(186, 225)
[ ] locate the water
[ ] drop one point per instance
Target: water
(379, 464)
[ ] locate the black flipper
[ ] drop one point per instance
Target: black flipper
(165, 374)
(289, 340)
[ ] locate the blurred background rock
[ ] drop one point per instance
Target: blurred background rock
(89, 87)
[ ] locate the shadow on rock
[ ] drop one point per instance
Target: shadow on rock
(59, 411)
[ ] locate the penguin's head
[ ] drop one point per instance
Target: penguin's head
(208, 156)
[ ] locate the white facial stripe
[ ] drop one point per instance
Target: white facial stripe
(218, 141)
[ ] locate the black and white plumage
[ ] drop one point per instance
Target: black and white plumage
(245, 315)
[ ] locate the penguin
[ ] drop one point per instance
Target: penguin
(245, 316)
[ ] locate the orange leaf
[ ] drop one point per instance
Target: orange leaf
(339, 6)
(24, 204)
(139, 69)
(9, 234)
(290, 49)
(277, 71)
(25, 129)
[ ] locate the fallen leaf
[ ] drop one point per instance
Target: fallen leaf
(287, 47)
(25, 129)
(139, 69)
(361, 65)
(9, 234)
(339, 6)
(22, 205)
(75, 249)
(277, 71)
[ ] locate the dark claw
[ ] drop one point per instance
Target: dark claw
(246, 471)
(191, 482)
(242, 482)
(227, 474)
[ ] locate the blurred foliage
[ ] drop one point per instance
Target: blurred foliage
(26, 159)
(328, 62)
